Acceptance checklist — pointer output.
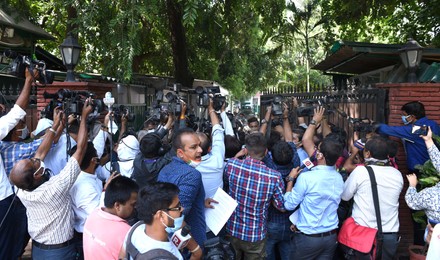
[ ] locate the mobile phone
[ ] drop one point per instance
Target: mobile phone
(419, 130)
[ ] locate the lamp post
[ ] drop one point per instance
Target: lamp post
(411, 55)
(70, 50)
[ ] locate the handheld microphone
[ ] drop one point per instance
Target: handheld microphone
(181, 237)
(308, 162)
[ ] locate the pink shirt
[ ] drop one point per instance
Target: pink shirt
(103, 235)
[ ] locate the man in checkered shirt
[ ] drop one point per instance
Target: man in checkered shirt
(254, 186)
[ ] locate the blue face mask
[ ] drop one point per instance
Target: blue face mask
(177, 224)
(405, 119)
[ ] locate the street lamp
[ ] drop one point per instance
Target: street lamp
(411, 55)
(70, 50)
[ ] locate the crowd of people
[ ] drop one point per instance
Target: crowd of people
(78, 195)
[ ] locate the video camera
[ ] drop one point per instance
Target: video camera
(20, 63)
(121, 110)
(71, 101)
(203, 98)
(277, 105)
(307, 109)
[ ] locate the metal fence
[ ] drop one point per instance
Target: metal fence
(369, 103)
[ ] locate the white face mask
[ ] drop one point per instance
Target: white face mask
(193, 163)
(24, 133)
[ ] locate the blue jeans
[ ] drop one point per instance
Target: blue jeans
(65, 253)
(279, 238)
(309, 248)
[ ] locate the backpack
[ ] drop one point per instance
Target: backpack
(154, 254)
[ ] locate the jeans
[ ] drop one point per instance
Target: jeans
(279, 239)
(65, 253)
(249, 250)
(309, 248)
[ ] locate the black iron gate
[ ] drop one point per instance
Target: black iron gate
(345, 105)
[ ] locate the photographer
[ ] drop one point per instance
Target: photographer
(153, 155)
(47, 200)
(213, 154)
(11, 248)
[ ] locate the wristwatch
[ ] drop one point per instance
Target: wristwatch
(264, 121)
(312, 122)
(288, 178)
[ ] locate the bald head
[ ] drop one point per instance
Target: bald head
(22, 174)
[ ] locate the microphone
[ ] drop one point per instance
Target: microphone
(181, 237)
(109, 100)
(308, 163)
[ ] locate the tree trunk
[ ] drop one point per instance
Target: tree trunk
(72, 14)
(178, 43)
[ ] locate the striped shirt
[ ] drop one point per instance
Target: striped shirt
(49, 207)
(254, 186)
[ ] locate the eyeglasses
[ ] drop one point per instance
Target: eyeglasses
(177, 208)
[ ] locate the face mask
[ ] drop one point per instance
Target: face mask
(46, 172)
(24, 133)
(177, 224)
(193, 163)
(405, 119)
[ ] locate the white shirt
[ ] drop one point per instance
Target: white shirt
(99, 142)
(227, 125)
(7, 122)
(86, 195)
(57, 156)
(49, 207)
(212, 164)
(389, 185)
(144, 243)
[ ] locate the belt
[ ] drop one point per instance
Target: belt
(48, 247)
(324, 234)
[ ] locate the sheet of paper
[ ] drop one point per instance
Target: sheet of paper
(216, 218)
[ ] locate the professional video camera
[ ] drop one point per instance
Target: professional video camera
(175, 104)
(119, 111)
(277, 105)
(362, 125)
(20, 63)
(203, 98)
(307, 109)
(71, 101)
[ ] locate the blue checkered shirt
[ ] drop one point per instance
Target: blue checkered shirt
(12, 152)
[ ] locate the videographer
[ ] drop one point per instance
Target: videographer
(47, 200)
(213, 154)
(153, 155)
(10, 249)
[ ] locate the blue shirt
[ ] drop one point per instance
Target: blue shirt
(12, 152)
(416, 152)
(318, 192)
(191, 195)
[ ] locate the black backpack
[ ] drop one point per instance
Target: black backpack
(154, 254)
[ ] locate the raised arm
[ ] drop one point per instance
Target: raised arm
(308, 144)
(212, 115)
(288, 137)
(50, 135)
(82, 132)
(264, 123)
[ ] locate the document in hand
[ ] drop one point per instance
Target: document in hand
(216, 218)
